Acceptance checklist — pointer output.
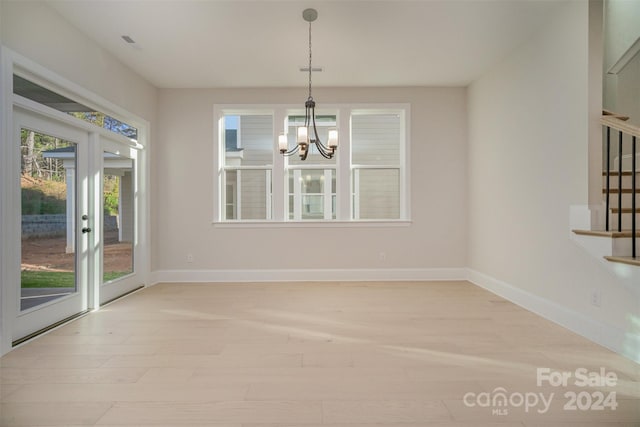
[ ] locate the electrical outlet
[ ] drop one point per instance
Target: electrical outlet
(382, 256)
(596, 298)
(189, 257)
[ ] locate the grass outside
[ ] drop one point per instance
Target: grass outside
(58, 279)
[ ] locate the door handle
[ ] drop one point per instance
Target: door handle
(86, 230)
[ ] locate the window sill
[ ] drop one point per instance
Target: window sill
(313, 224)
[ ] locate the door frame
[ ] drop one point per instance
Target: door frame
(13, 63)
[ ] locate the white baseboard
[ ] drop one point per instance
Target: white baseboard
(614, 339)
(306, 275)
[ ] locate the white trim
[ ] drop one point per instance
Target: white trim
(9, 199)
(312, 224)
(315, 275)
(247, 168)
(218, 178)
(625, 58)
(606, 335)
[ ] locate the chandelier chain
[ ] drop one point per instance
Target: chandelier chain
(310, 60)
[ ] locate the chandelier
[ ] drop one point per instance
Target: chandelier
(307, 135)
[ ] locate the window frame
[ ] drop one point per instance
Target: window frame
(279, 166)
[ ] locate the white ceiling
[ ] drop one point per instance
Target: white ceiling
(213, 43)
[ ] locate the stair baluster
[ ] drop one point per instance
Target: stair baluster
(633, 196)
(620, 181)
(608, 177)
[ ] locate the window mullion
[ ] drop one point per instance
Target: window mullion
(356, 194)
(343, 166)
(268, 195)
(404, 166)
(278, 175)
(297, 194)
(326, 194)
(239, 194)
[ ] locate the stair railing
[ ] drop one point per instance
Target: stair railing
(618, 123)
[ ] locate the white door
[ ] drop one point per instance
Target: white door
(118, 228)
(57, 223)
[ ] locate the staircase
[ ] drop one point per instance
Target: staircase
(621, 192)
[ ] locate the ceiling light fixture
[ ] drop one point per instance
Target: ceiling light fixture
(307, 135)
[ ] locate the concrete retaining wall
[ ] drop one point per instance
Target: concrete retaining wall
(55, 225)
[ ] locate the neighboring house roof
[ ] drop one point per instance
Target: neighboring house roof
(60, 153)
(68, 155)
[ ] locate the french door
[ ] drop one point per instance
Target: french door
(78, 221)
(57, 222)
(116, 242)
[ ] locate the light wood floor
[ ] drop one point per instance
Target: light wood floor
(306, 355)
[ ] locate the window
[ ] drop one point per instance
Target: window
(44, 96)
(247, 165)
(365, 181)
(376, 152)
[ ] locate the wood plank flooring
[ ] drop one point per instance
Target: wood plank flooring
(384, 354)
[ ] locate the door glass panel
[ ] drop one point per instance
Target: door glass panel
(48, 190)
(118, 193)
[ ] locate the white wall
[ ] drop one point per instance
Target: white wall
(183, 198)
(528, 163)
(36, 31)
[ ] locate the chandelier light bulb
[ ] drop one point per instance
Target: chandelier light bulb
(332, 139)
(283, 142)
(303, 135)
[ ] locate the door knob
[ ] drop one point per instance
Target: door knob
(86, 230)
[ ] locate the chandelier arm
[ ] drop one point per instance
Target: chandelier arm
(325, 154)
(293, 151)
(306, 153)
(323, 149)
(319, 143)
